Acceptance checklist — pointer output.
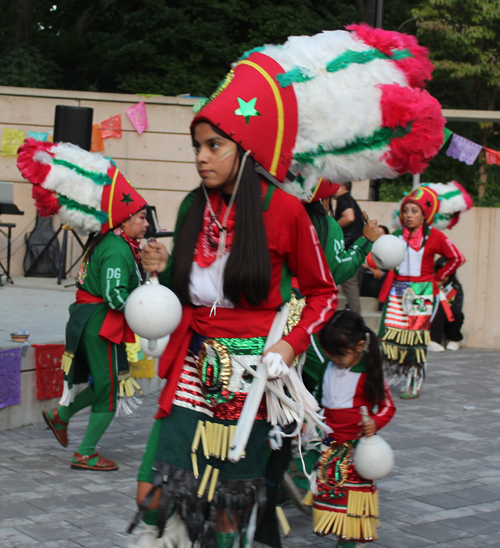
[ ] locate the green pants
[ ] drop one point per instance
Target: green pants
(101, 357)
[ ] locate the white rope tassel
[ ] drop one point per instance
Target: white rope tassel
(223, 231)
(68, 394)
(285, 407)
(126, 406)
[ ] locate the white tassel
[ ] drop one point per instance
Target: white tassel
(312, 482)
(68, 394)
(287, 407)
(126, 406)
(275, 438)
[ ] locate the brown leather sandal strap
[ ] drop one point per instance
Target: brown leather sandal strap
(82, 459)
(103, 462)
(56, 419)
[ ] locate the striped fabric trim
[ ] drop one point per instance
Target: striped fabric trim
(379, 139)
(189, 393)
(342, 62)
(70, 204)
(98, 178)
(395, 317)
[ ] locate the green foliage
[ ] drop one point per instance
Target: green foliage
(166, 47)
(27, 67)
(463, 36)
(392, 190)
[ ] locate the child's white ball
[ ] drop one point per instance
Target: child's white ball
(388, 252)
(373, 457)
(153, 311)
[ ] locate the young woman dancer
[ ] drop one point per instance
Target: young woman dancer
(411, 290)
(88, 192)
(237, 241)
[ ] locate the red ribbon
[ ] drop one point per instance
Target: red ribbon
(114, 328)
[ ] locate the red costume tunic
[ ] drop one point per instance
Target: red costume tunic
(410, 293)
(343, 396)
(293, 247)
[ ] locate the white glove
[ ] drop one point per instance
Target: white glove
(275, 365)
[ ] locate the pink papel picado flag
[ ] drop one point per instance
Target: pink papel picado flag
(138, 117)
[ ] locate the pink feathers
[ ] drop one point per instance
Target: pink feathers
(403, 107)
(36, 173)
(417, 68)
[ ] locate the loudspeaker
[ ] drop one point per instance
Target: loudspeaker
(73, 125)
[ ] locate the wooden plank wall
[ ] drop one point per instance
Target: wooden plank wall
(159, 163)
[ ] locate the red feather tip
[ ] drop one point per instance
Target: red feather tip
(45, 201)
(403, 106)
(418, 68)
(32, 169)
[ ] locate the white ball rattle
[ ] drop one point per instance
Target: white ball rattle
(154, 348)
(388, 252)
(373, 457)
(153, 312)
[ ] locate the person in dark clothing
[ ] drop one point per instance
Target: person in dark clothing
(441, 327)
(348, 214)
(349, 217)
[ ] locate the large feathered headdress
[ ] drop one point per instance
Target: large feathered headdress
(343, 105)
(441, 204)
(84, 189)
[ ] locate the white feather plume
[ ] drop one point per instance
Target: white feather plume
(354, 110)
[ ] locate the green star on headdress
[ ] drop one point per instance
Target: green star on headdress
(247, 110)
(126, 198)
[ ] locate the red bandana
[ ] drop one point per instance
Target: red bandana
(208, 239)
(133, 244)
(414, 238)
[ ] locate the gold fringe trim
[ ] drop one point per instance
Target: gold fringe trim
(285, 526)
(213, 484)
(128, 386)
(295, 307)
(204, 481)
(216, 439)
(66, 362)
(396, 343)
(308, 500)
(359, 523)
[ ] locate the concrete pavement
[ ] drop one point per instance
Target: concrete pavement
(442, 493)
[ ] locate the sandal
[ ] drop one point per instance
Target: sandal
(61, 434)
(81, 462)
(409, 395)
